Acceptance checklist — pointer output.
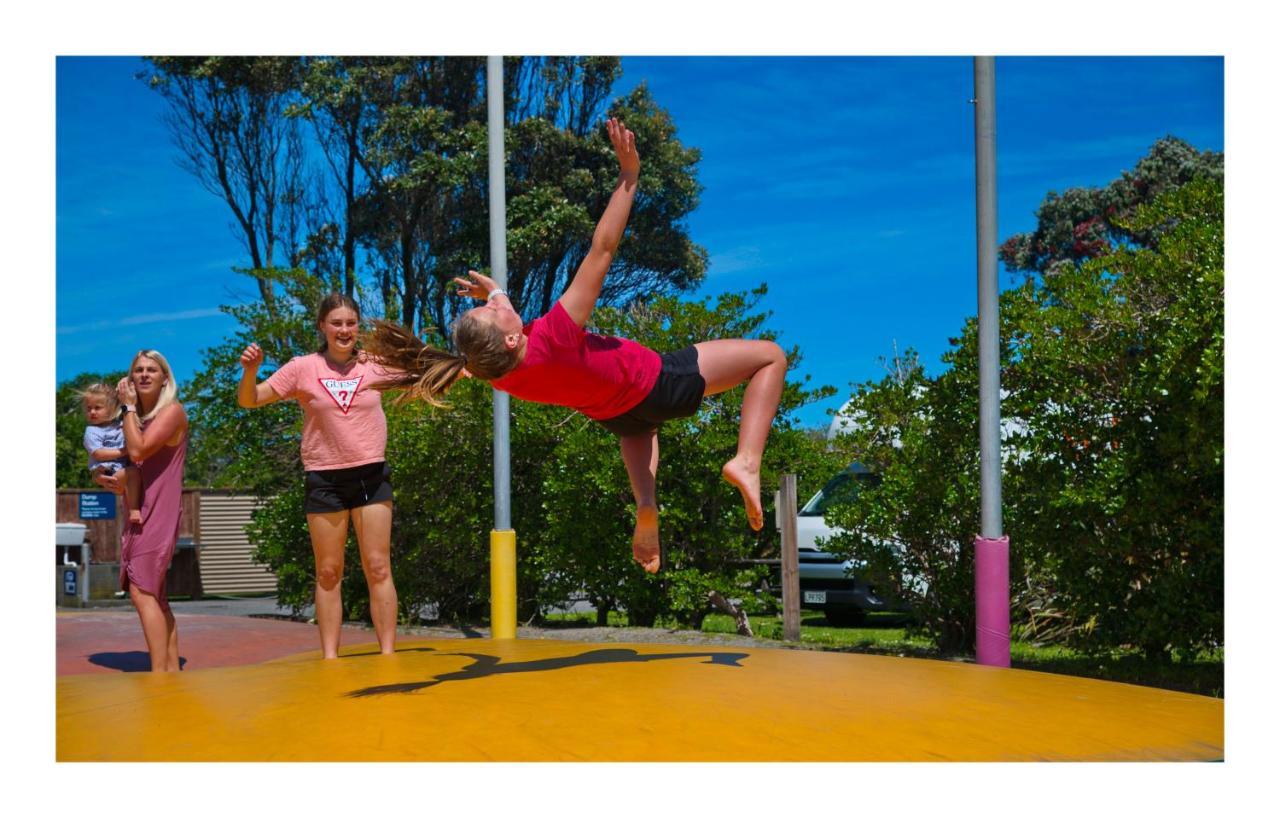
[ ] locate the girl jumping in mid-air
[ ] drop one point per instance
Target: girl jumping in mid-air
(626, 387)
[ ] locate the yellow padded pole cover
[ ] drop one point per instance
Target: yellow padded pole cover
(502, 583)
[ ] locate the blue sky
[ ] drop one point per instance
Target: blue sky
(844, 183)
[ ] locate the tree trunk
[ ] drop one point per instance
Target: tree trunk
(739, 615)
(409, 304)
(349, 237)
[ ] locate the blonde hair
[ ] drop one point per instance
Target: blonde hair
(428, 372)
(101, 390)
(168, 392)
(484, 346)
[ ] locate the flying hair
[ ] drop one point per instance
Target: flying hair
(428, 372)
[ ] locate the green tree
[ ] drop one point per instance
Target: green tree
(333, 100)
(404, 141)
(423, 156)
(227, 116)
(256, 450)
(559, 179)
(1086, 223)
(1119, 376)
(1113, 380)
(914, 525)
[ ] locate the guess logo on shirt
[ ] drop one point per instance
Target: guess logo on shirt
(342, 391)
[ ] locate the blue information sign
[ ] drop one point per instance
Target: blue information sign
(69, 581)
(97, 505)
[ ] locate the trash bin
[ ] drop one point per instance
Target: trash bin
(73, 564)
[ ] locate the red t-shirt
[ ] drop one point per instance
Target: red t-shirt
(600, 376)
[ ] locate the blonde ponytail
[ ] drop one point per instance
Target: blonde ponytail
(425, 373)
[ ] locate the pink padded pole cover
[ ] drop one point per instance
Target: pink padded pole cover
(991, 578)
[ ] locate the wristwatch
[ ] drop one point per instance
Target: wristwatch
(126, 408)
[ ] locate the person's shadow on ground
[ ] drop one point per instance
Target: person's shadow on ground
(129, 661)
(483, 665)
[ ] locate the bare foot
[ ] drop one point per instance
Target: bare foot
(644, 543)
(135, 516)
(747, 480)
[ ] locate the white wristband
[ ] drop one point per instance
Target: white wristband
(493, 292)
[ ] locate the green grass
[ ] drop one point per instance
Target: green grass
(882, 632)
(582, 620)
(886, 633)
(1202, 675)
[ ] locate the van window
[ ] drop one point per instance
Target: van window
(840, 489)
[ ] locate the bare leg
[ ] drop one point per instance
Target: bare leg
(640, 454)
(763, 365)
(133, 493)
(158, 629)
(174, 663)
(328, 542)
(373, 532)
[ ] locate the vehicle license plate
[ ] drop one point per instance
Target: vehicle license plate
(815, 597)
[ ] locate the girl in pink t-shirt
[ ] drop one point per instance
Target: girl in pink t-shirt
(344, 441)
(623, 385)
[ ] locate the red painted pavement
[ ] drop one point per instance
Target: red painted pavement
(110, 641)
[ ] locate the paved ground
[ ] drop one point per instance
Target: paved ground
(227, 632)
(110, 640)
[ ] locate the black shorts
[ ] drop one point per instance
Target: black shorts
(342, 489)
(676, 394)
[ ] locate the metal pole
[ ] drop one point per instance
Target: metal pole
(991, 559)
(984, 81)
(502, 540)
(84, 562)
(498, 261)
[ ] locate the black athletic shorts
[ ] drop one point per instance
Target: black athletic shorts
(676, 394)
(341, 489)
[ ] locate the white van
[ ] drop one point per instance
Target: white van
(828, 583)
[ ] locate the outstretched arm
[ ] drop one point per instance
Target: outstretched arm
(580, 299)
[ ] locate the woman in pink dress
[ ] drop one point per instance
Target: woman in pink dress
(155, 435)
